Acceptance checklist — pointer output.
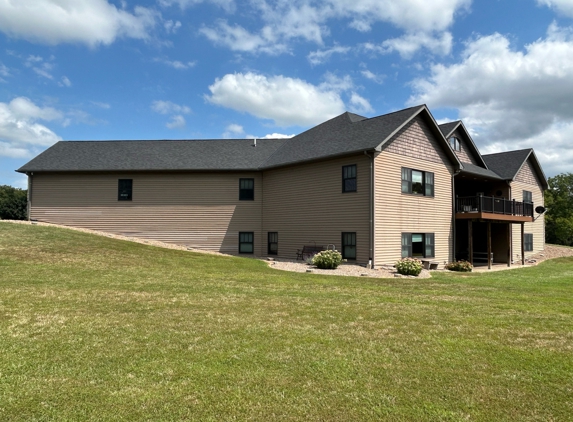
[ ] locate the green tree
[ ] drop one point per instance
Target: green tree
(559, 217)
(13, 203)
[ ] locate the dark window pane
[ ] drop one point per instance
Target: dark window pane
(246, 242)
(429, 247)
(246, 189)
(406, 245)
(125, 187)
(417, 182)
(528, 242)
(350, 185)
(349, 245)
(429, 184)
(349, 178)
(273, 245)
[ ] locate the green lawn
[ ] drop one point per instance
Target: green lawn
(98, 329)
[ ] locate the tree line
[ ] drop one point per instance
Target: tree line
(559, 204)
(13, 203)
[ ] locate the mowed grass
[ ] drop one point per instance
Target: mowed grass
(93, 328)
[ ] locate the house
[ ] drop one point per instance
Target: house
(377, 188)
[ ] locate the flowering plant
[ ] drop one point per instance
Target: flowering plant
(463, 266)
(409, 266)
(327, 260)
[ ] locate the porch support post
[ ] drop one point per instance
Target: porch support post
(470, 243)
(522, 243)
(509, 226)
(489, 245)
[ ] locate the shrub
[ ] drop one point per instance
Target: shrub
(409, 266)
(13, 203)
(463, 266)
(327, 260)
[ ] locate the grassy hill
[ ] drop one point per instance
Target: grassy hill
(93, 328)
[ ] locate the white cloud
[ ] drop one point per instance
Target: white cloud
(321, 56)
(171, 27)
(424, 23)
(65, 82)
(101, 105)
(238, 38)
(511, 98)
(360, 104)
(4, 70)
(277, 136)
(410, 43)
(176, 122)
(564, 7)
(228, 5)
(167, 107)
(234, 131)
(89, 22)
(176, 111)
(286, 101)
(176, 64)
(379, 79)
(20, 131)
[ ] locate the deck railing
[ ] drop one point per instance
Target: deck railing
(494, 205)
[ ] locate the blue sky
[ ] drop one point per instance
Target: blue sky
(206, 69)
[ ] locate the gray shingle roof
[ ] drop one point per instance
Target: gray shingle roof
(480, 171)
(238, 154)
(448, 128)
(507, 164)
(344, 134)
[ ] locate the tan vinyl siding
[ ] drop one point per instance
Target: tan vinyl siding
(398, 213)
(201, 210)
(526, 179)
(305, 205)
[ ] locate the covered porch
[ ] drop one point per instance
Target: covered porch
(484, 216)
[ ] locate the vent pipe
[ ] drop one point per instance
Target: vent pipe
(255, 142)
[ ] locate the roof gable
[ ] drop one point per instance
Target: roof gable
(508, 164)
(350, 133)
(448, 129)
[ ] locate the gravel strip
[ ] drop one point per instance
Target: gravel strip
(550, 252)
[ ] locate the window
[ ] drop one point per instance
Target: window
(418, 245)
(273, 243)
(349, 245)
(124, 189)
(246, 189)
(246, 243)
(455, 144)
(417, 182)
(349, 178)
(528, 242)
(527, 196)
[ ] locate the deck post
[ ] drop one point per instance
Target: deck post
(509, 226)
(470, 243)
(522, 243)
(489, 245)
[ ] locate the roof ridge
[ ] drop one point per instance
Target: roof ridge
(507, 152)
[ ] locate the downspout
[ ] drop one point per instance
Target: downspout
(371, 245)
(29, 204)
(454, 174)
(510, 226)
